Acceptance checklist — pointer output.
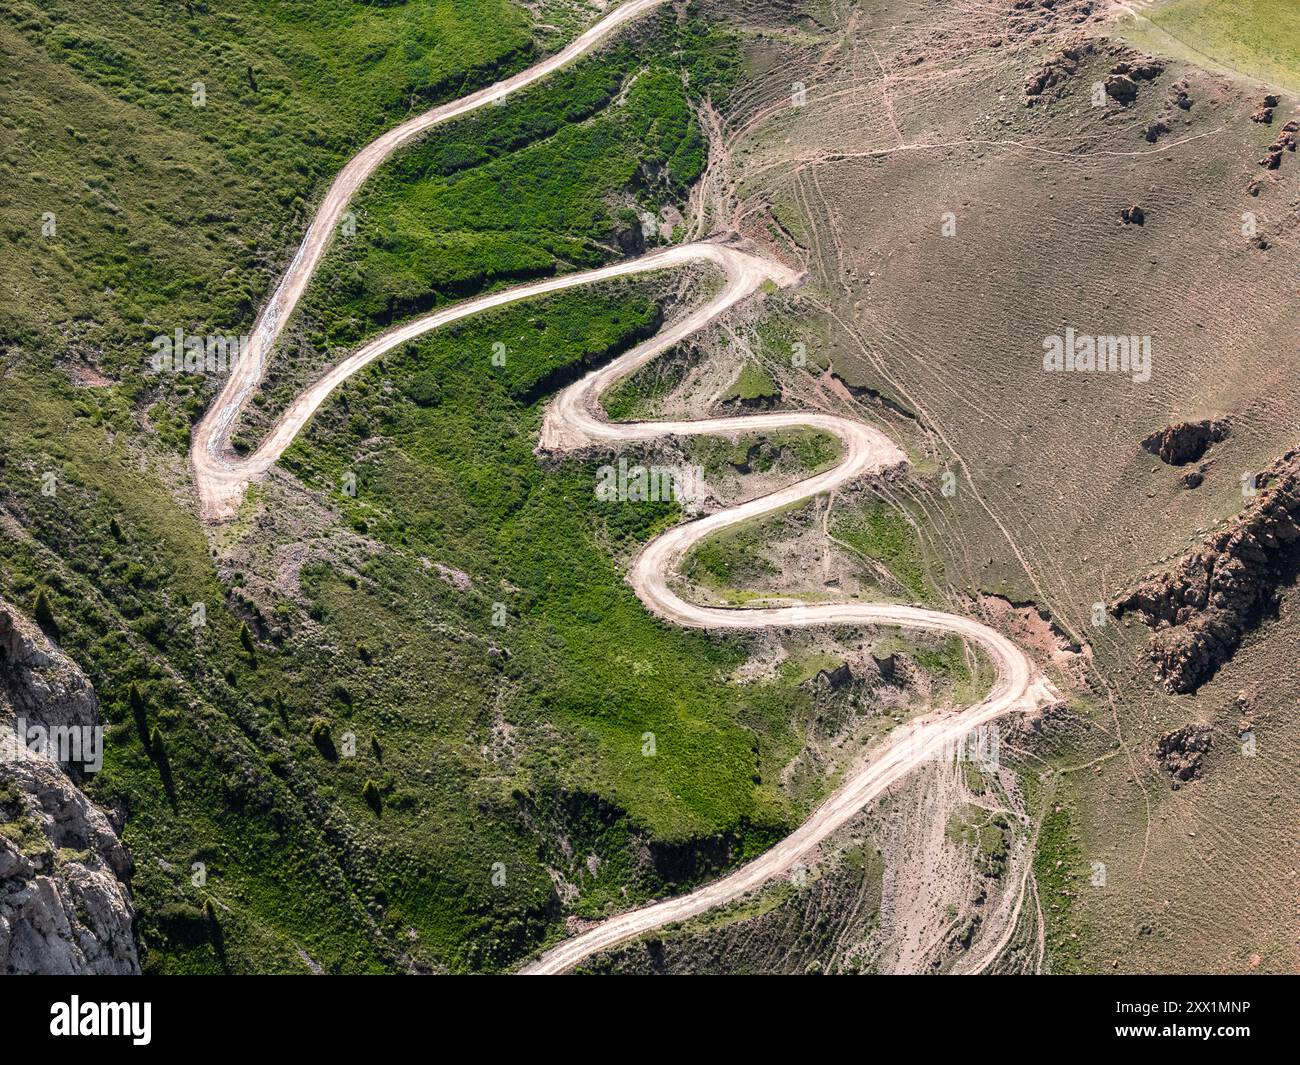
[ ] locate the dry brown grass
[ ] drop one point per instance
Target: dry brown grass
(917, 109)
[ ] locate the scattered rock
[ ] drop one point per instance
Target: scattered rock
(458, 579)
(1286, 142)
(1193, 479)
(1122, 82)
(1155, 130)
(1134, 215)
(1057, 68)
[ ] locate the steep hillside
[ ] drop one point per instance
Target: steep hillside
(966, 183)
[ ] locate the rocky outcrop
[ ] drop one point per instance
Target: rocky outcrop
(1122, 82)
(1186, 442)
(1286, 140)
(37, 682)
(1057, 68)
(1202, 606)
(865, 394)
(64, 904)
(1264, 114)
(1181, 752)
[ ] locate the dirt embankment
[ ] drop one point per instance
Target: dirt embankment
(1206, 602)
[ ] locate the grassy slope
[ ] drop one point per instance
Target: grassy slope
(1257, 37)
(538, 187)
(298, 863)
(173, 215)
(169, 215)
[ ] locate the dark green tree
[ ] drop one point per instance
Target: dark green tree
(246, 640)
(45, 615)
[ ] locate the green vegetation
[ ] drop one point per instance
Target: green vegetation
(754, 384)
(131, 211)
(461, 210)
(799, 451)
(553, 181)
(1256, 37)
(965, 666)
(44, 615)
(124, 607)
(254, 753)
(232, 738)
(635, 397)
(361, 764)
(732, 559)
(886, 535)
(986, 833)
(1060, 872)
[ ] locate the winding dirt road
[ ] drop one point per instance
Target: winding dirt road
(573, 420)
(220, 476)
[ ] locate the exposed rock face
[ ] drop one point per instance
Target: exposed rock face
(1186, 442)
(1058, 68)
(1122, 82)
(38, 683)
(64, 905)
(1180, 752)
(856, 687)
(1209, 599)
(1121, 88)
(1286, 142)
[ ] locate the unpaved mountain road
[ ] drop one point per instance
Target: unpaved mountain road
(573, 421)
(219, 476)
